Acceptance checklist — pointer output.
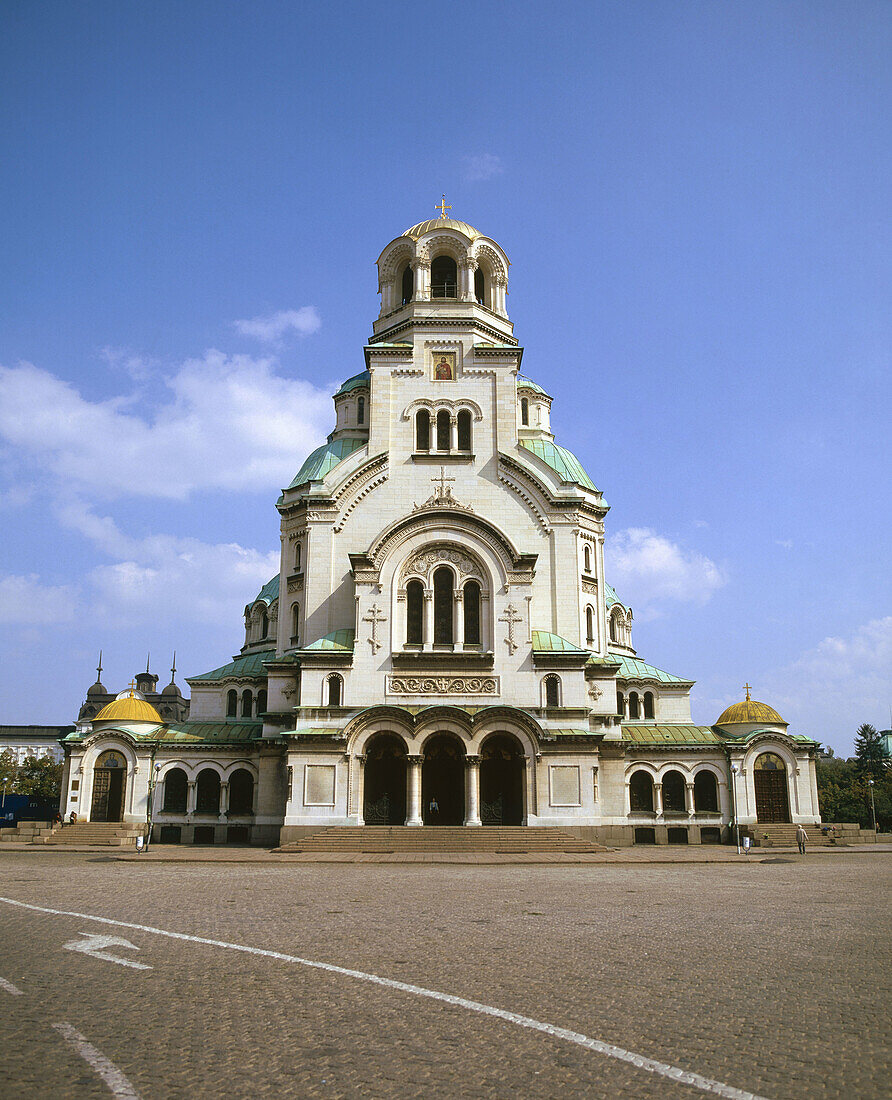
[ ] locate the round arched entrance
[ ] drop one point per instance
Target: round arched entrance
(501, 781)
(770, 781)
(384, 802)
(109, 773)
(443, 781)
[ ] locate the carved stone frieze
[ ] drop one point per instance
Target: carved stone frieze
(443, 685)
(590, 586)
(296, 583)
(426, 560)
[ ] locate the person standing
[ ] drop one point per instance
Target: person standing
(801, 838)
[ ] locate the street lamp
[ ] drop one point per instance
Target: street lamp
(873, 812)
(153, 783)
(734, 771)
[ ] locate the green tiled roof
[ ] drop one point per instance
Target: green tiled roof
(325, 458)
(310, 731)
(355, 383)
(570, 733)
(528, 384)
(341, 640)
(631, 668)
(217, 733)
(249, 665)
(543, 642)
(671, 735)
(564, 463)
(610, 596)
(801, 738)
(269, 592)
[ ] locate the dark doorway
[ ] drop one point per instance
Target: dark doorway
(385, 782)
(443, 781)
(501, 781)
(770, 780)
(108, 788)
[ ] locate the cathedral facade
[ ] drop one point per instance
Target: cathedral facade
(441, 645)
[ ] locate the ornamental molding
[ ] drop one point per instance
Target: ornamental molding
(493, 259)
(528, 501)
(591, 587)
(433, 407)
(443, 685)
(296, 584)
(360, 476)
(423, 563)
(370, 485)
(456, 322)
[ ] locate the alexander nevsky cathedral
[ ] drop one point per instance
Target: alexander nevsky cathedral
(441, 644)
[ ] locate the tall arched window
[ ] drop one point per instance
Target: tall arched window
(334, 684)
(422, 430)
(706, 792)
(444, 276)
(589, 625)
(673, 793)
(464, 430)
(247, 703)
(649, 704)
(524, 411)
(414, 613)
(207, 799)
(552, 691)
(232, 704)
(471, 602)
(360, 410)
(634, 711)
(480, 287)
(407, 287)
(297, 557)
(174, 792)
(620, 704)
(261, 701)
(443, 630)
(264, 625)
(641, 792)
(295, 624)
(241, 792)
(614, 629)
(587, 558)
(443, 430)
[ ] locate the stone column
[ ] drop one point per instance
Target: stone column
(472, 773)
(191, 795)
(414, 801)
(467, 269)
(224, 799)
(422, 271)
(658, 799)
(428, 618)
(453, 433)
(360, 787)
(485, 627)
(689, 798)
(459, 619)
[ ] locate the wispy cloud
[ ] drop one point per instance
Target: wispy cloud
(270, 329)
(23, 599)
(482, 167)
(648, 569)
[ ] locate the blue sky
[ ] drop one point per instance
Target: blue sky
(695, 201)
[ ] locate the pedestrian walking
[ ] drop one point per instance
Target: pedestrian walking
(801, 838)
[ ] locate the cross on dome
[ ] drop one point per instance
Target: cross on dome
(442, 206)
(747, 688)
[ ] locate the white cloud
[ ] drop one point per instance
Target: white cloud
(304, 321)
(647, 568)
(482, 167)
(223, 422)
(23, 599)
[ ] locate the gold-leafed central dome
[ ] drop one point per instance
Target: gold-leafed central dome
(129, 709)
(750, 711)
(442, 223)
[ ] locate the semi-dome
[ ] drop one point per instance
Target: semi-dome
(442, 223)
(129, 709)
(748, 712)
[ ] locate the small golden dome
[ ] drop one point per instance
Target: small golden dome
(129, 709)
(749, 711)
(442, 223)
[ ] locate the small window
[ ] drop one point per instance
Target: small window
(414, 613)
(620, 704)
(524, 411)
(422, 430)
(443, 601)
(247, 704)
(443, 430)
(587, 557)
(334, 690)
(614, 632)
(589, 625)
(480, 287)
(634, 711)
(552, 691)
(295, 624)
(297, 550)
(464, 430)
(407, 288)
(471, 604)
(261, 701)
(264, 625)
(360, 410)
(232, 704)
(649, 704)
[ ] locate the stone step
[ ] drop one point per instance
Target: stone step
(443, 838)
(105, 834)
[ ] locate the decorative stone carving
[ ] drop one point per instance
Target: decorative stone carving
(425, 560)
(296, 583)
(511, 617)
(591, 587)
(443, 685)
(374, 617)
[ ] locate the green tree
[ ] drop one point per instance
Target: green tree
(8, 768)
(39, 777)
(869, 753)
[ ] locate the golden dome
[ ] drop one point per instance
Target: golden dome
(750, 711)
(129, 709)
(442, 223)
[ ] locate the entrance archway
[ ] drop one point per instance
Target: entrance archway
(443, 781)
(109, 773)
(501, 781)
(384, 801)
(772, 797)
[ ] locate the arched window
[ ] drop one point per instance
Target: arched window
(174, 792)
(241, 792)
(247, 703)
(422, 430)
(443, 430)
(673, 793)
(552, 691)
(587, 557)
(649, 704)
(414, 613)
(641, 792)
(589, 625)
(264, 625)
(297, 557)
(620, 704)
(295, 624)
(443, 631)
(614, 632)
(706, 793)
(334, 684)
(524, 411)
(634, 711)
(471, 603)
(360, 410)
(444, 274)
(261, 701)
(408, 284)
(464, 430)
(232, 704)
(480, 287)
(207, 800)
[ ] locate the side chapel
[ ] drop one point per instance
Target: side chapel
(441, 645)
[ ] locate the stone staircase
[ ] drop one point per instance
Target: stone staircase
(27, 832)
(784, 836)
(90, 834)
(402, 839)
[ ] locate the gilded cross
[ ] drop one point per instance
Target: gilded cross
(374, 617)
(511, 617)
(442, 207)
(132, 686)
(747, 688)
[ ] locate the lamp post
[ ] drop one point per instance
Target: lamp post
(153, 783)
(734, 771)
(873, 812)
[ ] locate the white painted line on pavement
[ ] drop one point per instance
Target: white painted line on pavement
(117, 1083)
(94, 944)
(682, 1076)
(10, 988)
